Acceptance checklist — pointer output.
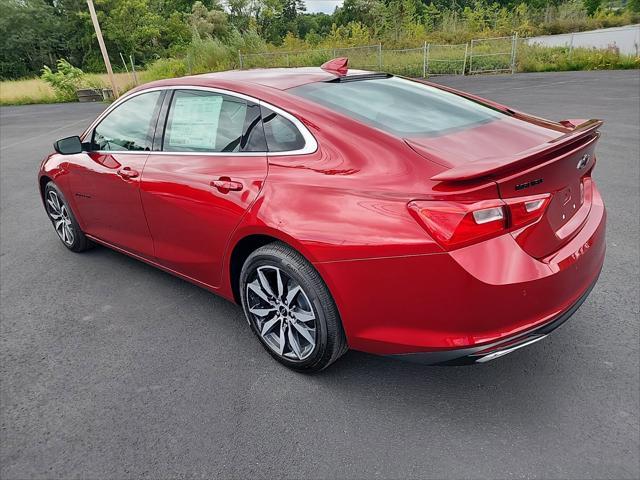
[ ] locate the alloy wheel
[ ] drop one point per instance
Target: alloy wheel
(282, 313)
(59, 214)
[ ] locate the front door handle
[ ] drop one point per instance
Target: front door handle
(128, 172)
(226, 185)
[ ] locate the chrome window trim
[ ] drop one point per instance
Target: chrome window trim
(310, 143)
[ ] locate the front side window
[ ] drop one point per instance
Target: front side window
(129, 125)
(202, 121)
(398, 106)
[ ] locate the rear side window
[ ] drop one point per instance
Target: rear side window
(281, 134)
(398, 106)
(129, 125)
(201, 121)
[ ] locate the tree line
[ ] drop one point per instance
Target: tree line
(38, 32)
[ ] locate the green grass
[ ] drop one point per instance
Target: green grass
(35, 90)
(556, 59)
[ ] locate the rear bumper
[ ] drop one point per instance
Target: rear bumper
(475, 300)
(484, 353)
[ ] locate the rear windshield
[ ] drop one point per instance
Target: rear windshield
(398, 106)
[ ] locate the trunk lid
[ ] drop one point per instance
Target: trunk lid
(559, 165)
(565, 174)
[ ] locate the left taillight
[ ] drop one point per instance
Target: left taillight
(457, 224)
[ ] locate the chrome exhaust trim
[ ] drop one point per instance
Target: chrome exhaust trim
(505, 351)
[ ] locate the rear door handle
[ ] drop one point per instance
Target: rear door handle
(128, 172)
(226, 185)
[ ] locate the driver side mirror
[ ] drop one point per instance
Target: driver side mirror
(68, 146)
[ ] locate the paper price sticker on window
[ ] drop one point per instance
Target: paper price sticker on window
(194, 122)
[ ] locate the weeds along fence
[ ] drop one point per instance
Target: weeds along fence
(446, 59)
(480, 56)
(493, 55)
(426, 60)
(366, 57)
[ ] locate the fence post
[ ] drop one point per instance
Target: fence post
(470, 57)
(333, 53)
(125, 65)
(514, 47)
(571, 46)
(380, 56)
(424, 60)
(240, 58)
(133, 70)
(464, 63)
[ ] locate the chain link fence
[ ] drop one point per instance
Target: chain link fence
(408, 62)
(493, 55)
(446, 59)
(366, 57)
(303, 58)
(487, 55)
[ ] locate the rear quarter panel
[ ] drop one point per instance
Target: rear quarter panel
(348, 200)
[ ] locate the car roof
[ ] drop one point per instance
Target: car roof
(278, 78)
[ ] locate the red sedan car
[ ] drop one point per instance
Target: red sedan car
(344, 209)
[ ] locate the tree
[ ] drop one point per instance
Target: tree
(371, 13)
(591, 6)
(26, 46)
(401, 15)
(278, 17)
(240, 13)
(212, 22)
(133, 27)
(432, 16)
(291, 9)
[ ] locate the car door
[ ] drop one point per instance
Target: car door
(210, 169)
(106, 179)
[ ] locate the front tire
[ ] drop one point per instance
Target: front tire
(63, 220)
(290, 309)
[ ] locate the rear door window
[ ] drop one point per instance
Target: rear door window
(203, 121)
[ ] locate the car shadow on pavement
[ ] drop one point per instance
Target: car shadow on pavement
(358, 377)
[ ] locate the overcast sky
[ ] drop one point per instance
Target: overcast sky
(326, 6)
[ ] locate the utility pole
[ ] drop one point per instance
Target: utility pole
(103, 48)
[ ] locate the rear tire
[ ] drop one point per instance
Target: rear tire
(63, 220)
(290, 309)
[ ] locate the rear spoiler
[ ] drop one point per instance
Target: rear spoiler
(492, 165)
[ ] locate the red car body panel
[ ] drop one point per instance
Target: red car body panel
(190, 221)
(344, 207)
(480, 293)
(109, 204)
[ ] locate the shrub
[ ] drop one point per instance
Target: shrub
(164, 68)
(66, 80)
(209, 55)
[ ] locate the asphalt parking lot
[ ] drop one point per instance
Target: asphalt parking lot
(113, 369)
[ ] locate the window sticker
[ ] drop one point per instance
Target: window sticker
(194, 122)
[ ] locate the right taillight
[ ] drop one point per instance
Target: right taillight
(457, 224)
